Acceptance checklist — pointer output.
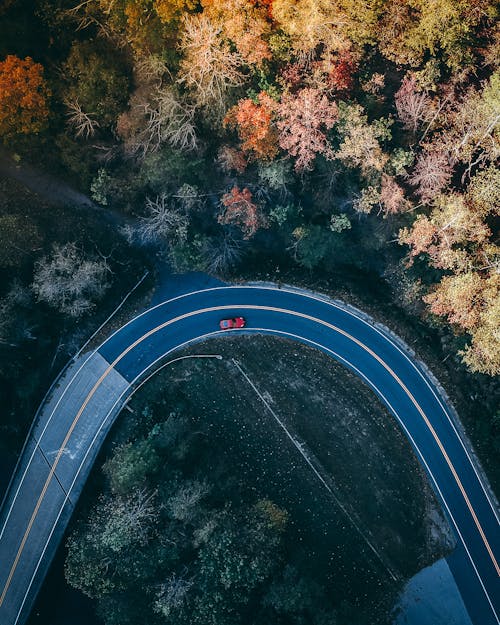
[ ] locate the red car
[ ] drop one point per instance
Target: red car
(235, 322)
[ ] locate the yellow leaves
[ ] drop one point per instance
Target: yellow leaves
(23, 97)
(243, 23)
(473, 303)
(311, 23)
(170, 10)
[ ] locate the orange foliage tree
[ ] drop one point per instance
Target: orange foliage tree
(254, 124)
(240, 211)
(23, 97)
(245, 23)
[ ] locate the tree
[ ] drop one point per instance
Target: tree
(472, 302)
(392, 196)
(254, 123)
(243, 22)
(209, 68)
(312, 23)
(129, 520)
(413, 105)
(184, 504)
(102, 550)
(303, 119)
(240, 211)
(411, 29)
(69, 281)
(359, 141)
(242, 551)
(130, 465)
(453, 236)
(163, 220)
(24, 97)
(145, 25)
(157, 116)
(173, 10)
(312, 244)
(97, 81)
(230, 159)
(431, 174)
(473, 137)
(83, 124)
(341, 73)
(172, 595)
(483, 191)
(221, 254)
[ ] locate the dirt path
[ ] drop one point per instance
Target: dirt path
(51, 188)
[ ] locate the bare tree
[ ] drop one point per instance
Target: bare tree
(69, 281)
(414, 107)
(157, 116)
(164, 221)
(172, 594)
(431, 174)
(129, 520)
(170, 121)
(80, 122)
(209, 67)
(222, 254)
(184, 504)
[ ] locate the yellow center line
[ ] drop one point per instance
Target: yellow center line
(248, 307)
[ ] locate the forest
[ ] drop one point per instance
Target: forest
(311, 133)
(339, 144)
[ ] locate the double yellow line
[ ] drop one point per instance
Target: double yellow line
(247, 307)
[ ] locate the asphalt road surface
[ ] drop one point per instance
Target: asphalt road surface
(78, 413)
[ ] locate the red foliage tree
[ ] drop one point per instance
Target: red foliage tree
(240, 211)
(341, 75)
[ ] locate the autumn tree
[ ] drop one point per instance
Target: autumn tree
(209, 68)
(97, 84)
(23, 97)
(472, 302)
(231, 159)
(413, 105)
(145, 25)
(359, 140)
(254, 122)
(240, 210)
(392, 196)
(473, 133)
(303, 119)
(330, 25)
(157, 116)
(173, 10)
(431, 174)
(244, 23)
(452, 235)
(456, 239)
(410, 29)
(340, 72)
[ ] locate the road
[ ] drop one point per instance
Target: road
(77, 415)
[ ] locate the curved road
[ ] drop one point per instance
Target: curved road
(76, 416)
